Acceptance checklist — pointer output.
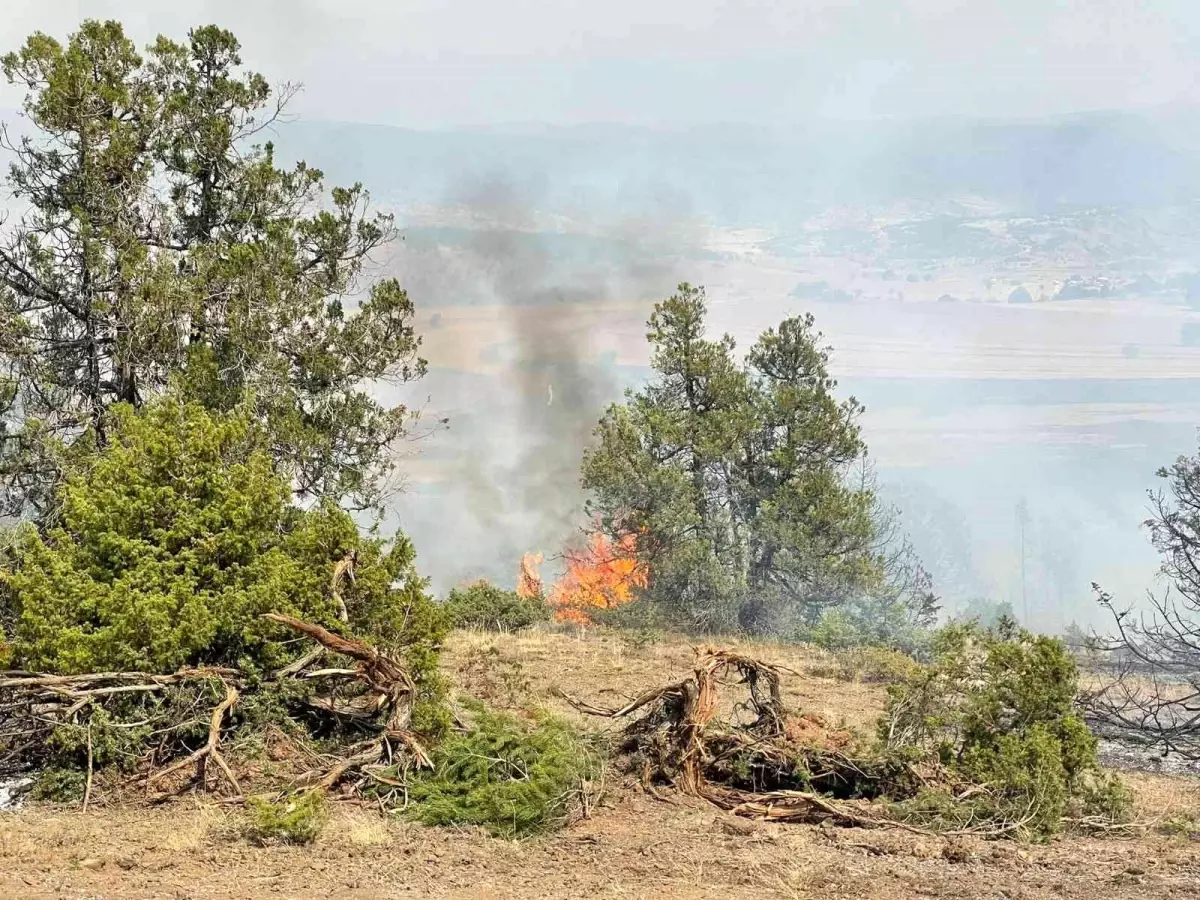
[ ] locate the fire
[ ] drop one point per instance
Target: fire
(602, 576)
(529, 582)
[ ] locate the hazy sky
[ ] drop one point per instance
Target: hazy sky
(435, 63)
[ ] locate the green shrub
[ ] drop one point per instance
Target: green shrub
(986, 613)
(997, 708)
(834, 630)
(1181, 825)
(293, 820)
(485, 606)
(59, 785)
(898, 622)
(173, 540)
(511, 778)
(874, 665)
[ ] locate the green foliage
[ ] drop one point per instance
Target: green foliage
(178, 537)
(875, 665)
(509, 777)
(293, 820)
(111, 742)
(1181, 825)
(488, 607)
(736, 479)
(986, 613)
(59, 785)
(997, 708)
(898, 612)
(162, 241)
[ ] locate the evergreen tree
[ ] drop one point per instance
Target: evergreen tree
(738, 479)
(156, 240)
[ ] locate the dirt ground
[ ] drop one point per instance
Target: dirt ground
(632, 845)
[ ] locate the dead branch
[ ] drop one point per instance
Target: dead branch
(391, 691)
(87, 791)
(678, 741)
(294, 668)
(632, 706)
(144, 681)
(209, 750)
(344, 569)
(375, 694)
(798, 806)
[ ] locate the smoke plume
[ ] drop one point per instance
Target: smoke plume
(539, 316)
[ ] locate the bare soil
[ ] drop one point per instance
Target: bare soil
(631, 845)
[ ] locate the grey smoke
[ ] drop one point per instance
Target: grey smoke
(509, 476)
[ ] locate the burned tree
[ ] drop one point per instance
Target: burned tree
(1153, 700)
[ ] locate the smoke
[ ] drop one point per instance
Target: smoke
(524, 358)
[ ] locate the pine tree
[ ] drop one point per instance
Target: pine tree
(737, 479)
(158, 244)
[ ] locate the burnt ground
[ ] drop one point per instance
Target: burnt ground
(632, 845)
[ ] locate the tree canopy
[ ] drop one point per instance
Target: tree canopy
(174, 541)
(743, 482)
(157, 239)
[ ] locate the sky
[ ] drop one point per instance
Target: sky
(483, 63)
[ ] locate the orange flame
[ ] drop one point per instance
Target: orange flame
(602, 576)
(529, 582)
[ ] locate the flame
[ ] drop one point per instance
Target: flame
(604, 575)
(529, 582)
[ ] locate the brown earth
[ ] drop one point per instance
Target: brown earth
(631, 846)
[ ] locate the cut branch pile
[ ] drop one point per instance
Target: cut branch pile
(390, 690)
(678, 740)
(185, 721)
(33, 705)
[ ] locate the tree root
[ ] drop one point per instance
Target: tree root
(676, 743)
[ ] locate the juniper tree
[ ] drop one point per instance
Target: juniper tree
(154, 237)
(739, 479)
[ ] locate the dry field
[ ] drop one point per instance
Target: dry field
(631, 846)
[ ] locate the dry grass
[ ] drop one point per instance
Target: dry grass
(355, 827)
(602, 666)
(632, 846)
(196, 828)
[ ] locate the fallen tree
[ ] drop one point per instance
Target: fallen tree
(983, 741)
(677, 739)
(146, 726)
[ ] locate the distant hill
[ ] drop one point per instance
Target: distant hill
(736, 173)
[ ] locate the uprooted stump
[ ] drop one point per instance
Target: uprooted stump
(755, 768)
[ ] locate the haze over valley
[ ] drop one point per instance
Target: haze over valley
(1017, 304)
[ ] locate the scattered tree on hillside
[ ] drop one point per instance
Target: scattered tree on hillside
(744, 483)
(156, 239)
(1156, 695)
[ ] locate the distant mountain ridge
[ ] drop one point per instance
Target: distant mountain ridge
(738, 173)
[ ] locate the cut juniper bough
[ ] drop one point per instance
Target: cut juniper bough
(175, 725)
